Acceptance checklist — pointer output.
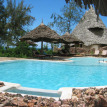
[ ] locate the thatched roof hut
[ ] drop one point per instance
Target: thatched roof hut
(100, 5)
(69, 38)
(90, 30)
(41, 33)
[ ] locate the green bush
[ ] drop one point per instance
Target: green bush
(48, 52)
(22, 50)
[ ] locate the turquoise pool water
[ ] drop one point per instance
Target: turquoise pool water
(82, 72)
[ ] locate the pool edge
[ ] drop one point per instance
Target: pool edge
(66, 92)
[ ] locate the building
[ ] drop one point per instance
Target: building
(91, 30)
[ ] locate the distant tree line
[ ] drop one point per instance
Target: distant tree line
(13, 20)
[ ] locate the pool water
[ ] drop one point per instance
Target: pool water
(82, 72)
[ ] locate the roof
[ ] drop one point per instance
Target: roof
(90, 30)
(91, 20)
(30, 42)
(69, 38)
(42, 32)
(100, 5)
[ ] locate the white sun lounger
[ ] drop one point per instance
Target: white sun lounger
(104, 53)
(96, 52)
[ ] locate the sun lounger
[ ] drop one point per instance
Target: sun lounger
(104, 53)
(37, 55)
(42, 56)
(96, 52)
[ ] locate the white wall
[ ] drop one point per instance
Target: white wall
(96, 47)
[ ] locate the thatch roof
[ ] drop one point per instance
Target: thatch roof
(90, 30)
(90, 19)
(100, 5)
(41, 33)
(30, 42)
(104, 48)
(69, 38)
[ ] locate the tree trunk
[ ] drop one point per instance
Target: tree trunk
(42, 47)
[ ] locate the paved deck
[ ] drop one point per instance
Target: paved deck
(55, 58)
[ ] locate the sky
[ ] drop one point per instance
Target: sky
(43, 9)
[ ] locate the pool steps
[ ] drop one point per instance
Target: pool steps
(9, 86)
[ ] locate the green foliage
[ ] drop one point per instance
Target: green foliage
(71, 14)
(14, 19)
(18, 17)
(22, 50)
(50, 52)
(45, 47)
(2, 22)
(39, 51)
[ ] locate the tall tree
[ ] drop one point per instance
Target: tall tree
(70, 15)
(17, 18)
(2, 22)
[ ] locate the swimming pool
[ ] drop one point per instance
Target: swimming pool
(82, 72)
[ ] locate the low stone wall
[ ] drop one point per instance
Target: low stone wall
(90, 97)
(82, 51)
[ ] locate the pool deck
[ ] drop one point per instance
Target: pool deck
(9, 58)
(56, 58)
